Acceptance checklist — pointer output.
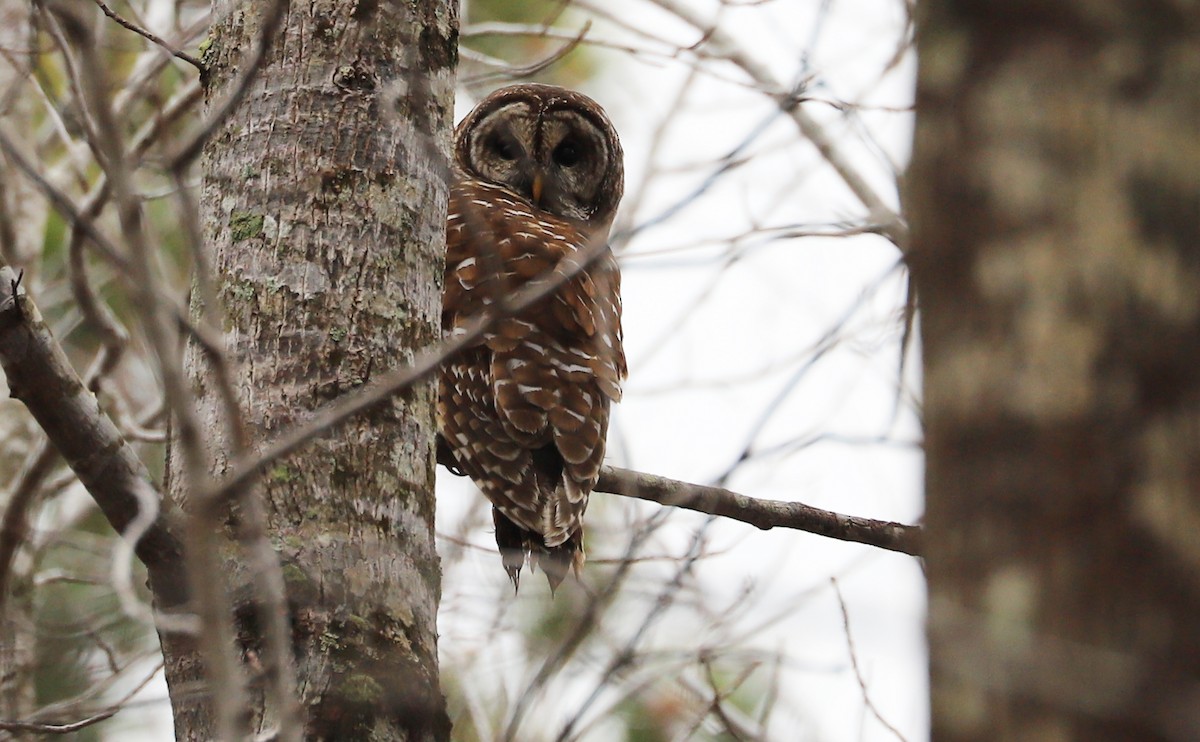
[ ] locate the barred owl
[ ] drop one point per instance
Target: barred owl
(537, 176)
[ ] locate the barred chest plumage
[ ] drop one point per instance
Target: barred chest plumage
(525, 410)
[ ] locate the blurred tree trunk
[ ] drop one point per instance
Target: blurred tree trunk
(323, 210)
(1055, 201)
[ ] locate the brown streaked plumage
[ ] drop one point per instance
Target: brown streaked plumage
(537, 177)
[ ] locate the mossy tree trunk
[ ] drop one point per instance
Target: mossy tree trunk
(1055, 200)
(323, 210)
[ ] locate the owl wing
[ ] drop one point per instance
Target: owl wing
(554, 368)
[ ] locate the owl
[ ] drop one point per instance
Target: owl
(537, 175)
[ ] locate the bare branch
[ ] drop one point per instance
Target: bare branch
(520, 30)
(146, 72)
(149, 36)
(75, 726)
(510, 72)
(40, 375)
(582, 629)
(854, 663)
(70, 728)
(726, 46)
(14, 527)
(112, 334)
(623, 657)
(733, 720)
(104, 247)
(764, 514)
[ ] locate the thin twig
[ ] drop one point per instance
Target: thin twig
(583, 628)
(75, 726)
(14, 527)
(764, 514)
(103, 246)
(512, 73)
(730, 718)
(146, 75)
(726, 46)
(650, 169)
(149, 36)
(520, 30)
(112, 334)
(854, 663)
(86, 119)
(622, 658)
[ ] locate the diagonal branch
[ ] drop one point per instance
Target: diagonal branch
(38, 726)
(131, 26)
(890, 223)
(764, 514)
(862, 684)
(41, 377)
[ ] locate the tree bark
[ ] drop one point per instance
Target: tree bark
(1055, 203)
(323, 208)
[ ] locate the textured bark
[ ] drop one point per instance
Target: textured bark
(324, 207)
(1055, 202)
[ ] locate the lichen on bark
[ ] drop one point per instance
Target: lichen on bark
(324, 204)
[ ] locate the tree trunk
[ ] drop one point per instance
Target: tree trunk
(1055, 201)
(323, 208)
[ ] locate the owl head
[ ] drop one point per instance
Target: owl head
(552, 146)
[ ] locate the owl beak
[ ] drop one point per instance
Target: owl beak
(537, 189)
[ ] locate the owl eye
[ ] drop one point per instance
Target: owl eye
(566, 154)
(503, 148)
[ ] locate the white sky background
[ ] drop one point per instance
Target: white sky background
(712, 346)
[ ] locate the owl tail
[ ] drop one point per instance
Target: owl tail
(518, 546)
